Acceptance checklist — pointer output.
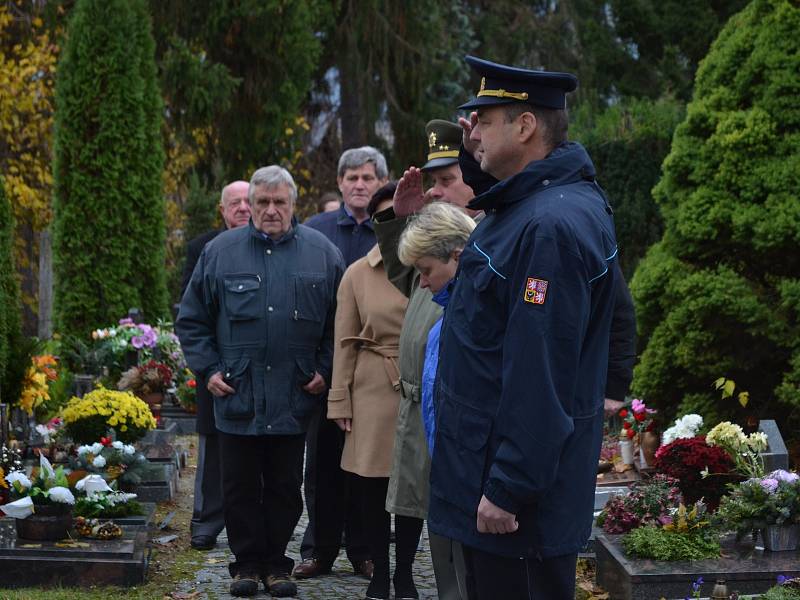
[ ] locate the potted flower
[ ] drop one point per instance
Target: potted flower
(99, 500)
(43, 504)
(638, 420)
(187, 395)
(89, 418)
(769, 504)
(112, 460)
(149, 381)
(691, 461)
(745, 450)
(648, 502)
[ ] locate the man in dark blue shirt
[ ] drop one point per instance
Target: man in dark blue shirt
(524, 346)
(332, 503)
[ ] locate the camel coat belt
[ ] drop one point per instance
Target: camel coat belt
(366, 373)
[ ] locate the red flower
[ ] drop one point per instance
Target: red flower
(626, 425)
(623, 412)
(106, 441)
(630, 433)
(191, 383)
(640, 416)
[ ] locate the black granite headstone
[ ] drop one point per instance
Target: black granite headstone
(745, 567)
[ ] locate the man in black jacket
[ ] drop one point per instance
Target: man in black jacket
(207, 517)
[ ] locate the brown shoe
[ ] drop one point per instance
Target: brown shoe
(311, 567)
(363, 568)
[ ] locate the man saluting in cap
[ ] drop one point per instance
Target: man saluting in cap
(524, 346)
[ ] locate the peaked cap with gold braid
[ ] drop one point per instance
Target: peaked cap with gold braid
(501, 84)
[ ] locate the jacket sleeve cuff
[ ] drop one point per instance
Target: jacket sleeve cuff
(496, 494)
(340, 405)
(617, 387)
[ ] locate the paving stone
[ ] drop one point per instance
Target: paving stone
(213, 580)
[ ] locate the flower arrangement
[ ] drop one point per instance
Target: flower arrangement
(690, 461)
(187, 394)
(149, 378)
(159, 342)
(89, 418)
(635, 420)
(685, 535)
(49, 486)
(648, 502)
(773, 499)
(35, 386)
(101, 500)
(10, 461)
(743, 449)
(685, 427)
(113, 460)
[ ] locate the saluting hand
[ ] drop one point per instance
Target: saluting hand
(493, 519)
(408, 197)
(217, 386)
(470, 145)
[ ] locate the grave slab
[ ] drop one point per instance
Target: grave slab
(121, 562)
(143, 521)
(745, 567)
(185, 421)
(160, 486)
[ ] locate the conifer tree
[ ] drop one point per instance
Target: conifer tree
(108, 243)
(10, 316)
(719, 295)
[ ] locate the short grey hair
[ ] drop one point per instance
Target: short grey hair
(358, 157)
(270, 177)
(436, 230)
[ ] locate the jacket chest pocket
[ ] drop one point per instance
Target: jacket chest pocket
(243, 297)
(310, 297)
(483, 312)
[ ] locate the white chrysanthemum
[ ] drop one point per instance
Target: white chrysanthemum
(99, 462)
(61, 494)
(128, 449)
(20, 477)
(757, 441)
(118, 445)
(84, 450)
(119, 498)
(96, 448)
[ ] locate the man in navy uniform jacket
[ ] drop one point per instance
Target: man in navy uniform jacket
(524, 346)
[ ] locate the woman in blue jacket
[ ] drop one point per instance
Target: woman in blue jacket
(432, 243)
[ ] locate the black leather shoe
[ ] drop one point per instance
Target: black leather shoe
(203, 542)
(280, 586)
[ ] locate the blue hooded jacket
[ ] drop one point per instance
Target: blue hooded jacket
(523, 360)
(431, 364)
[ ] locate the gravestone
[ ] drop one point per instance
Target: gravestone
(83, 563)
(186, 422)
(776, 456)
(746, 568)
(141, 521)
(161, 436)
(159, 486)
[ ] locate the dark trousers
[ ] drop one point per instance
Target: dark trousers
(333, 505)
(485, 576)
(378, 523)
(261, 479)
(208, 517)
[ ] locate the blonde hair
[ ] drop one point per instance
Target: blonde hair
(437, 230)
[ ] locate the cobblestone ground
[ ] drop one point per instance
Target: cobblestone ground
(212, 580)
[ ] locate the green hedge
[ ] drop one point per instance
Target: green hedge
(109, 231)
(719, 295)
(10, 312)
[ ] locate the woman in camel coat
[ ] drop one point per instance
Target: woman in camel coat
(364, 400)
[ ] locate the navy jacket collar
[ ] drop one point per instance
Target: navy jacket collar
(290, 234)
(567, 163)
(345, 218)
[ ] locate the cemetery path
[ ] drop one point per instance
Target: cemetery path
(211, 579)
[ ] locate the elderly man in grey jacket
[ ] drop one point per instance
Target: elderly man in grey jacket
(256, 321)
